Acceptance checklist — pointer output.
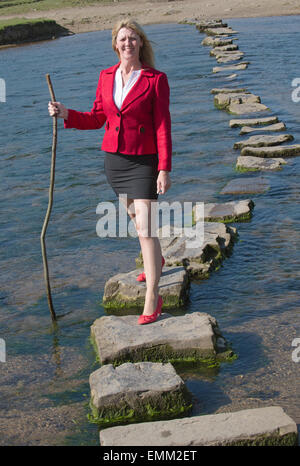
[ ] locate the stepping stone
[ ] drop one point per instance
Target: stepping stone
(234, 211)
(135, 392)
(240, 66)
(276, 127)
(122, 291)
(229, 58)
(225, 53)
(226, 90)
(283, 151)
(224, 100)
(206, 256)
(215, 52)
(253, 185)
(248, 163)
(204, 24)
(264, 140)
(224, 48)
(216, 41)
(249, 107)
(257, 426)
(219, 31)
(189, 337)
(190, 21)
(253, 121)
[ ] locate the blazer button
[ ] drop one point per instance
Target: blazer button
(142, 129)
(118, 114)
(117, 128)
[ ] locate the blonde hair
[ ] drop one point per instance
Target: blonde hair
(146, 51)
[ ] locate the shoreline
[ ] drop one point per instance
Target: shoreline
(102, 17)
(24, 43)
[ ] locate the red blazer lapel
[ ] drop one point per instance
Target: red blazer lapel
(140, 88)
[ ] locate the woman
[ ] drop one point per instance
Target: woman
(132, 98)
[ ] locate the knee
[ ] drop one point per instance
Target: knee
(142, 231)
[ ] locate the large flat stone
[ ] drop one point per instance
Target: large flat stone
(243, 108)
(233, 211)
(219, 31)
(227, 90)
(217, 41)
(263, 140)
(224, 48)
(253, 185)
(258, 426)
(276, 127)
(208, 253)
(224, 100)
(225, 53)
(196, 336)
(240, 66)
(275, 151)
(134, 392)
(122, 291)
(248, 163)
(229, 58)
(252, 121)
(203, 24)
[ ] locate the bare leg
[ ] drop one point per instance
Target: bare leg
(129, 206)
(151, 250)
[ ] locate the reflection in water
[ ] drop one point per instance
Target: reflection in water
(56, 351)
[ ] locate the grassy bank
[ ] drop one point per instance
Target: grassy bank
(17, 21)
(19, 30)
(14, 7)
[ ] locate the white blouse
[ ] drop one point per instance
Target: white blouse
(121, 92)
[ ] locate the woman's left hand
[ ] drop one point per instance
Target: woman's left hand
(163, 182)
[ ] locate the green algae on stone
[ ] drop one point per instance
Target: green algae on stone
(234, 219)
(229, 217)
(118, 303)
(269, 440)
(163, 406)
(241, 169)
(123, 291)
(226, 218)
(165, 353)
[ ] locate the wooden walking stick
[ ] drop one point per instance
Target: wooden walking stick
(52, 177)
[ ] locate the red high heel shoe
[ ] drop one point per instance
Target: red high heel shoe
(144, 319)
(142, 276)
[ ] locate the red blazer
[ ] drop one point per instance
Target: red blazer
(141, 126)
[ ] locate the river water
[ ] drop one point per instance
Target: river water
(255, 294)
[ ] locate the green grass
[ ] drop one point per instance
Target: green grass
(13, 7)
(15, 21)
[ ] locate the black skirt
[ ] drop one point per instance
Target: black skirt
(134, 175)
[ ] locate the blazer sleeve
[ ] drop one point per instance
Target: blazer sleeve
(162, 122)
(94, 119)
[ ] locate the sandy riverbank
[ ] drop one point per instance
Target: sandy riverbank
(92, 18)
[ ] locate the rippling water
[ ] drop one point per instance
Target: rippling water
(254, 295)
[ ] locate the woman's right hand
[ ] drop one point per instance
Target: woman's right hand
(58, 109)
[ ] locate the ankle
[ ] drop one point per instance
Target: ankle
(151, 294)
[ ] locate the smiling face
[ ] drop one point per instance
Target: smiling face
(128, 44)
